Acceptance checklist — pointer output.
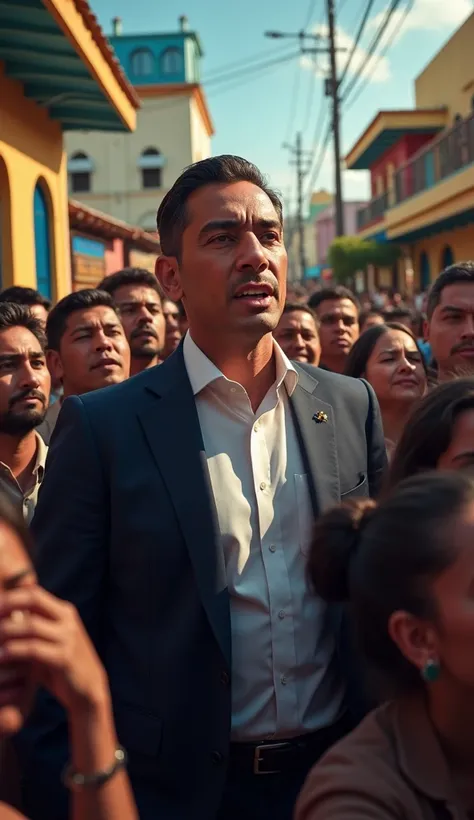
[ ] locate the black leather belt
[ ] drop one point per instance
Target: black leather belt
(279, 756)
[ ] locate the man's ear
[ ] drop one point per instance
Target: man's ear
(55, 365)
(167, 273)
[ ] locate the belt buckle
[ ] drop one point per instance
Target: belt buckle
(257, 759)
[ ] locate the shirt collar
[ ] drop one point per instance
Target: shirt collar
(41, 453)
(202, 372)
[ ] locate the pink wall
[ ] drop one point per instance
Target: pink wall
(114, 256)
(396, 155)
(326, 227)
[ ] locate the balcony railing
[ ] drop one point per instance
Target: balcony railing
(373, 211)
(450, 152)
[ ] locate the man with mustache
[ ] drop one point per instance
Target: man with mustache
(450, 324)
(188, 495)
(136, 294)
(25, 384)
(337, 310)
(87, 348)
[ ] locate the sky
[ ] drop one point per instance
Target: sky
(257, 109)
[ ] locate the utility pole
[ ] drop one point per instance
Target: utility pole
(332, 90)
(300, 158)
(299, 180)
(334, 93)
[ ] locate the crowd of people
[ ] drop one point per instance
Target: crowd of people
(236, 535)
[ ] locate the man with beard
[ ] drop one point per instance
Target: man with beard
(136, 294)
(297, 333)
(87, 348)
(24, 395)
(450, 324)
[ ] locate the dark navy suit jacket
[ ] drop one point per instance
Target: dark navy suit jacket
(126, 528)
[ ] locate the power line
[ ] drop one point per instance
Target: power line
(319, 161)
(294, 102)
(252, 69)
(217, 72)
(357, 39)
(371, 50)
(311, 10)
(382, 54)
(248, 77)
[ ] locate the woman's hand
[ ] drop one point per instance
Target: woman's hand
(38, 629)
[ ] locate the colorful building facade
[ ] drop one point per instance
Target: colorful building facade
(127, 175)
(421, 164)
(57, 72)
(101, 245)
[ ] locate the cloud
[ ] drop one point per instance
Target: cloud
(381, 72)
(426, 15)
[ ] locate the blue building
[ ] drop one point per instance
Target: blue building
(128, 177)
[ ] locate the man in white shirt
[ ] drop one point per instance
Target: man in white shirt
(189, 494)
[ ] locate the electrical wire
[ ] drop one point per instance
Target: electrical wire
(360, 31)
(387, 46)
(252, 69)
(294, 102)
(247, 78)
(235, 64)
(311, 10)
(318, 164)
(373, 45)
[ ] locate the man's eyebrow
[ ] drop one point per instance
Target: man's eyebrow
(232, 224)
(13, 581)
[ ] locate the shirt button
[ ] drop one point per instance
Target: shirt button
(225, 678)
(283, 680)
(233, 390)
(281, 614)
(262, 485)
(216, 757)
(255, 428)
(272, 548)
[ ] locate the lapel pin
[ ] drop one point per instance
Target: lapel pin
(320, 418)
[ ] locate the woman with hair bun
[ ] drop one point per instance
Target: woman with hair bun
(407, 569)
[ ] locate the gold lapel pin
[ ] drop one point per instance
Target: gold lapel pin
(320, 418)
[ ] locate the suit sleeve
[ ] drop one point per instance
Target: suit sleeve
(376, 451)
(70, 542)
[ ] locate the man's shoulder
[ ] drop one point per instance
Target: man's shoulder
(335, 383)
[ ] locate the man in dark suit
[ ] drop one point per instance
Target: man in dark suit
(176, 511)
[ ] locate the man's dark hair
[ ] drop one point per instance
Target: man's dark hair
(80, 300)
(337, 292)
(302, 307)
(461, 272)
(396, 314)
(129, 276)
(14, 315)
(172, 217)
(364, 315)
(24, 296)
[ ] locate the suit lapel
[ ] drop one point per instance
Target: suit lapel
(317, 441)
(171, 427)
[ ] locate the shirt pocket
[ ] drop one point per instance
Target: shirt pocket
(305, 513)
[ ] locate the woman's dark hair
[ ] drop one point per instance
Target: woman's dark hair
(383, 558)
(429, 430)
(361, 352)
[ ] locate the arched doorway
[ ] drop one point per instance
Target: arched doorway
(447, 257)
(6, 272)
(42, 242)
(425, 275)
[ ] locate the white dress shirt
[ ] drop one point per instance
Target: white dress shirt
(283, 678)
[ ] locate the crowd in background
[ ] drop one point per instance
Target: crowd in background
(402, 565)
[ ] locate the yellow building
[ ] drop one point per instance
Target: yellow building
(127, 175)
(421, 163)
(57, 72)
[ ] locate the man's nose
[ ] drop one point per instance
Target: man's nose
(103, 342)
(29, 377)
(252, 255)
(468, 326)
(144, 315)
